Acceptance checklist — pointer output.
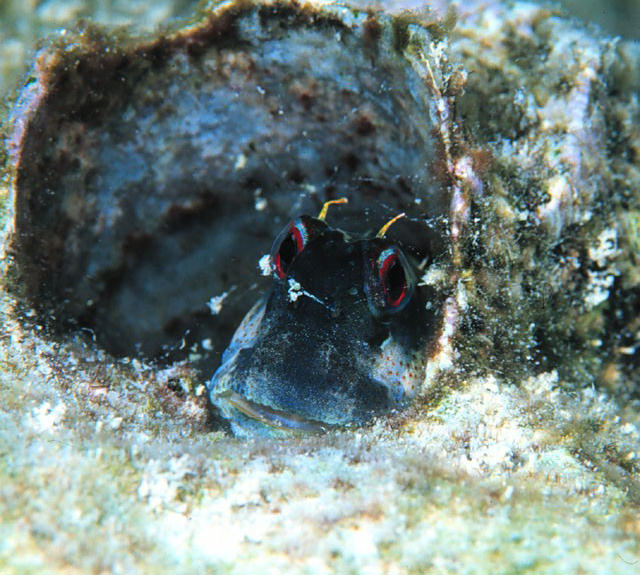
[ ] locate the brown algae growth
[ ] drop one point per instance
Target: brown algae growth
(147, 176)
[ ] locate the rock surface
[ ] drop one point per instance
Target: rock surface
(522, 455)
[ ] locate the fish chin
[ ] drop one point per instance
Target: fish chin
(271, 418)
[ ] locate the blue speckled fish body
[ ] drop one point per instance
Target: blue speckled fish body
(340, 337)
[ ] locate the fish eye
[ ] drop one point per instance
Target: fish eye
(292, 241)
(390, 282)
(393, 279)
(290, 247)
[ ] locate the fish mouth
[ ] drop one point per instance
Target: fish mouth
(273, 417)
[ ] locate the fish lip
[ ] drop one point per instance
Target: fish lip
(273, 417)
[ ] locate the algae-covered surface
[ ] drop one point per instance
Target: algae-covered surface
(509, 462)
(106, 470)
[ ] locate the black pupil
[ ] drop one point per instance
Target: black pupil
(396, 281)
(288, 251)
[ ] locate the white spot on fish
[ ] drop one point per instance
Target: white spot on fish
(265, 265)
(295, 291)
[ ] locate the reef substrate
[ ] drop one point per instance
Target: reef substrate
(522, 453)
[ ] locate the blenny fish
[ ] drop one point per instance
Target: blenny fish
(341, 335)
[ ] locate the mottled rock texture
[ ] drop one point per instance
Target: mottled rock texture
(522, 454)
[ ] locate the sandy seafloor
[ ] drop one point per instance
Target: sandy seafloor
(103, 469)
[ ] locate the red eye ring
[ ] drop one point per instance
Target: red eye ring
(388, 262)
(279, 269)
(390, 282)
(297, 234)
(291, 241)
